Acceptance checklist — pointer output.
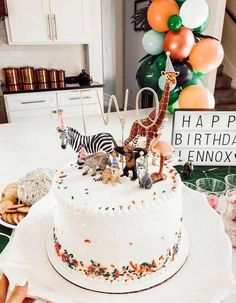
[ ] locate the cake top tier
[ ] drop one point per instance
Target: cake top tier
(82, 193)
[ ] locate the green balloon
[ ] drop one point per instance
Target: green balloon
(204, 26)
(172, 107)
(148, 73)
(174, 94)
(180, 2)
(145, 57)
(198, 74)
(195, 81)
(161, 62)
(175, 23)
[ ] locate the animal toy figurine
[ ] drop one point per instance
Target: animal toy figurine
(100, 160)
(155, 159)
(115, 175)
(131, 155)
(110, 176)
(82, 157)
(142, 158)
(114, 159)
(138, 128)
(115, 169)
(164, 149)
(91, 144)
(188, 169)
(144, 178)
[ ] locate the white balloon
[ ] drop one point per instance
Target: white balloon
(194, 13)
(153, 42)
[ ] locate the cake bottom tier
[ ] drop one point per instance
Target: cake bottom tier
(171, 267)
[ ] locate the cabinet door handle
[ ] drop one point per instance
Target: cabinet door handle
(33, 102)
(49, 27)
(55, 26)
(78, 98)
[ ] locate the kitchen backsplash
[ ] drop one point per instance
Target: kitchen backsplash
(71, 58)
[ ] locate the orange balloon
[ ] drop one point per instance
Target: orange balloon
(179, 43)
(196, 96)
(159, 12)
(206, 55)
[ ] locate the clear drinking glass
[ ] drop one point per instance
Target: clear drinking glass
(229, 215)
(190, 185)
(230, 181)
(213, 188)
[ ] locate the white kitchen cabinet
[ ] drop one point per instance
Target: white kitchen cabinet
(32, 115)
(30, 106)
(68, 21)
(46, 21)
(28, 21)
(76, 111)
(68, 99)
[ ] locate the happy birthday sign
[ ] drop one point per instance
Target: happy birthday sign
(205, 137)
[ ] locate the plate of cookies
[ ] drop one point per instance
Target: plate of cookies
(11, 211)
(17, 198)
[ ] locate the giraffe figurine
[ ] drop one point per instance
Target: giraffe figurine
(137, 128)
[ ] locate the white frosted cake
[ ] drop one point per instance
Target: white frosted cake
(117, 239)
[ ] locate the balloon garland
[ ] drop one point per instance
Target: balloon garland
(176, 26)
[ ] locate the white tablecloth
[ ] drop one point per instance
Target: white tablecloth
(26, 146)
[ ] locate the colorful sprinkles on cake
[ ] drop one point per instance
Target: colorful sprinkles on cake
(112, 273)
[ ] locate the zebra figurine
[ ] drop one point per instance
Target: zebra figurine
(93, 144)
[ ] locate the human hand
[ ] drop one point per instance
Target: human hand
(18, 295)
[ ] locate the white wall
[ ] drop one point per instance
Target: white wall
(113, 55)
(109, 48)
(93, 21)
(229, 42)
(133, 53)
(120, 29)
(215, 29)
(71, 58)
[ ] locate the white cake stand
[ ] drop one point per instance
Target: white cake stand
(206, 277)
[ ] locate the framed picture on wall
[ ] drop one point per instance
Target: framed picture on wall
(139, 5)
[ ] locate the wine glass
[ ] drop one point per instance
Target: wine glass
(230, 181)
(213, 188)
(190, 185)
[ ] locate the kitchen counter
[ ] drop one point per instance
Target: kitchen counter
(7, 91)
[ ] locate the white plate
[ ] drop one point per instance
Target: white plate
(7, 224)
(205, 277)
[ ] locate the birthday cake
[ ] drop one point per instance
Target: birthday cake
(117, 239)
(120, 230)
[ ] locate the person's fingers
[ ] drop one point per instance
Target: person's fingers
(4, 283)
(19, 293)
